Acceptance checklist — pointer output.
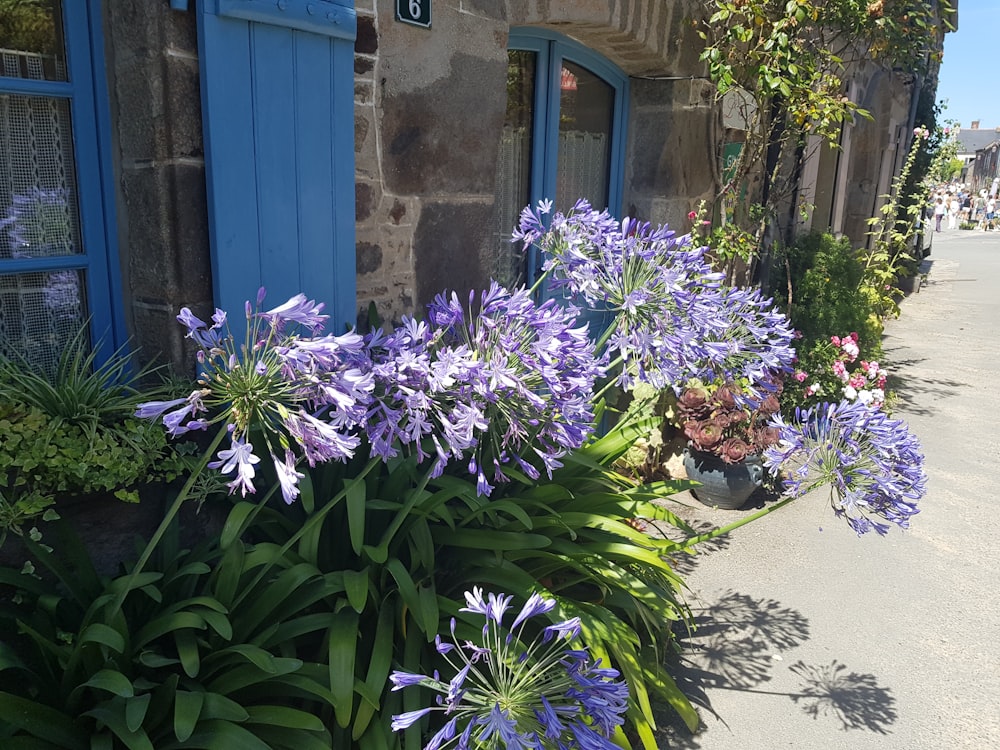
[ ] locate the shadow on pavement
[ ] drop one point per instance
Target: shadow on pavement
(856, 700)
(918, 395)
(684, 563)
(737, 645)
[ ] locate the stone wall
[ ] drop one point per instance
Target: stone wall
(152, 68)
(429, 108)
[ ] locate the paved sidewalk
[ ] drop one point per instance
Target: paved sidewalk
(813, 638)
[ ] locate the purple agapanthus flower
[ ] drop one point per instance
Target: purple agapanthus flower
(519, 691)
(307, 396)
(499, 382)
(673, 319)
(871, 463)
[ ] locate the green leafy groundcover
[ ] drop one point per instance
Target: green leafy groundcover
(281, 630)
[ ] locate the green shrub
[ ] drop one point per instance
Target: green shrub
(52, 457)
(826, 279)
(201, 653)
(72, 432)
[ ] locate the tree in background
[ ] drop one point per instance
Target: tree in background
(783, 65)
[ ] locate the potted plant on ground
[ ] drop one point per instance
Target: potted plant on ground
(726, 435)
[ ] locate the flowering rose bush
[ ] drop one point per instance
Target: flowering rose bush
(837, 371)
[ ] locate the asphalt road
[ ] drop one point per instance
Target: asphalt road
(813, 638)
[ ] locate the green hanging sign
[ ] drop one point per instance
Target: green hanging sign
(417, 12)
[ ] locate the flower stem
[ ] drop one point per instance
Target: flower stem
(742, 522)
(168, 518)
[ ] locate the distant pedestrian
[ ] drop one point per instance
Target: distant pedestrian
(953, 208)
(939, 212)
(991, 207)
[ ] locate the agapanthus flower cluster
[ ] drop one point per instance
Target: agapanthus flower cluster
(501, 381)
(507, 384)
(520, 687)
(304, 395)
(750, 341)
(872, 464)
(853, 379)
(673, 317)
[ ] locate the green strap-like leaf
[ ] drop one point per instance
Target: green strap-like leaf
(112, 714)
(165, 624)
(220, 707)
(111, 681)
(220, 735)
(282, 716)
(356, 513)
(42, 722)
(343, 648)
(356, 587)
(490, 539)
(235, 523)
(135, 711)
(107, 636)
(187, 650)
(187, 711)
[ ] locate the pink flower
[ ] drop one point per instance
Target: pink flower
(835, 340)
(800, 376)
(813, 389)
(857, 382)
(840, 370)
(692, 215)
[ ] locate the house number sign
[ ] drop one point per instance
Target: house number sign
(417, 12)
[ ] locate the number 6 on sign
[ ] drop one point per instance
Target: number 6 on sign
(416, 12)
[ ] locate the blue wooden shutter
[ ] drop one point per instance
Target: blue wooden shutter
(278, 112)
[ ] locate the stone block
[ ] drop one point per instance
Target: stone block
(158, 102)
(368, 258)
(450, 236)
(166, 219)
(365, 200)
(366, 42)
(436, 141)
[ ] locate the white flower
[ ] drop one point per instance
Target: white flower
(850, 393)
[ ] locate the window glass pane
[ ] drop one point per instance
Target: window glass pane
(586, 107)
(39, 314)
(514, 165)
(38, 211)
(31, 40)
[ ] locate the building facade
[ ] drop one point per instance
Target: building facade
(163, 154)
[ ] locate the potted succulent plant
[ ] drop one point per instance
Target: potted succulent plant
(726, 435)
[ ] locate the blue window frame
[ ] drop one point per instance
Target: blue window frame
(58, 257)
(574, 107)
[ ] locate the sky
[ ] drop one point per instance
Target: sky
(968, 77)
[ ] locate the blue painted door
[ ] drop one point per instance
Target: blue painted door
(278, 113)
